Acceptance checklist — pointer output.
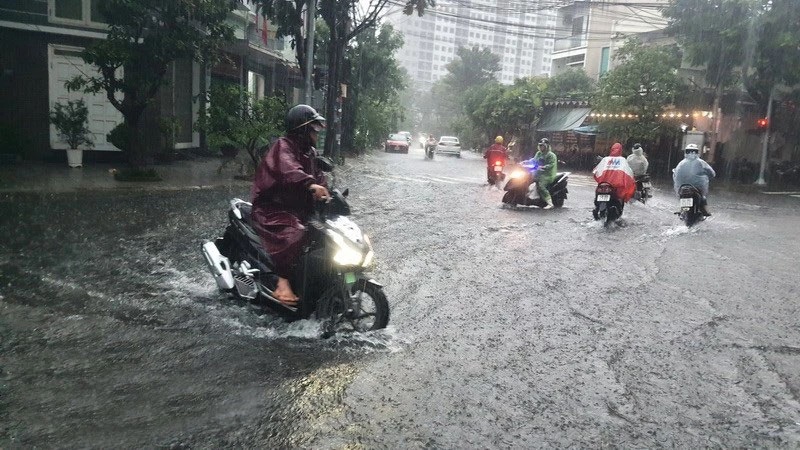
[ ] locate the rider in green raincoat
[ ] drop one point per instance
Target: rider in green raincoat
(547, 162)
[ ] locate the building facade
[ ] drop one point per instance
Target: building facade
(521, 32)
(41, 45)
(588, 31)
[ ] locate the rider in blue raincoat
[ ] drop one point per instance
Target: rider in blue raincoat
(694, 171)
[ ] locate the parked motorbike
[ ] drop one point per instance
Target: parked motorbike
(607, 206)
(494, 171)
(330, 279)
(691, 201)
(643, 188)
(521, 189)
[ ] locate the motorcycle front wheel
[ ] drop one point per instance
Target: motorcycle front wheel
(367, 309)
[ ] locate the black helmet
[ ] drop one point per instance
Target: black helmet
(544, 141)
(301, 115)
(636, 146)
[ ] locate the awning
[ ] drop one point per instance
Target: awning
(588, 130)
(563, 119)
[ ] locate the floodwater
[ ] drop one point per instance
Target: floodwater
(510, 328)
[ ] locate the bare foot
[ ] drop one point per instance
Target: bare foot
(284, 294)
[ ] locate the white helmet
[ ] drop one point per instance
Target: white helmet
(691, 148)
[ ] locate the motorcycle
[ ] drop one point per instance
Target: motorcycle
(607, 206)
(643, 188)
(330, 279)
(691, 200)
(521, 188)
(494, 172)
(430, 149)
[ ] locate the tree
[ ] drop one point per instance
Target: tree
(236, 119)
(643, 85)
(144, 38)
(473, 67)
(376, 81)
(345, 19)
(712, 33)
(573, 83)
(495, 109)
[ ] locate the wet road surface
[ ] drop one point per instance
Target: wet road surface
(510, 328)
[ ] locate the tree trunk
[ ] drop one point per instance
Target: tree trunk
(715, 124)
(332, 89)
(136, 152)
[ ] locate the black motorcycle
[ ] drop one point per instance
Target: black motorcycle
(643, 188)
(330, 279)
(691, 203)
(607, 206)
(430, 149)
(520, 189)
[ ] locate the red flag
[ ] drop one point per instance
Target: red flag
(264, 30)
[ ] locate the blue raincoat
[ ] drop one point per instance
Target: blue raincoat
(692, 170)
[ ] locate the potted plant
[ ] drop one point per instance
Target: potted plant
(72, 123)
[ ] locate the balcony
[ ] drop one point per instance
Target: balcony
(569, 43)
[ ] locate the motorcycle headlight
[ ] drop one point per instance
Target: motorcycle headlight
(348, 255)
(517, 174)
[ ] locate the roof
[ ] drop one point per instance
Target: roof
(562, 119)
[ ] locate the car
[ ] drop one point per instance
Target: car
(397, 143)
(449, 145)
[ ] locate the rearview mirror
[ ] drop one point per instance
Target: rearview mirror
(324, 163)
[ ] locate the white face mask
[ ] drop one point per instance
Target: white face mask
(692, 156)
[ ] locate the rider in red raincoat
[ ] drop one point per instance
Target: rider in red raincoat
(496, 152)
(614, 170)
(286, 184)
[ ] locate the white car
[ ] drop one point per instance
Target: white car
(449, 145)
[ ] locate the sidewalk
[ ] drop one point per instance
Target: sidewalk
(199, 173)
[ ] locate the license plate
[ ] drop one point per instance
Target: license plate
(349, 278)
(646, 185)
(687, 202)
(498, 168)
(603, 198)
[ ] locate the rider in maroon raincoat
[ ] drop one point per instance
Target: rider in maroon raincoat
(286, 184)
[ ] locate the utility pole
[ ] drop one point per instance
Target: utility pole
(310, 30)
(765, 145)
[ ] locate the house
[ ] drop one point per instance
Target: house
(42, 41)
(588, 32)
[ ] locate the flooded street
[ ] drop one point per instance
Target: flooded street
(509, 328)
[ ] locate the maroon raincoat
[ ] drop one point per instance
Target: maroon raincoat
(282, 202)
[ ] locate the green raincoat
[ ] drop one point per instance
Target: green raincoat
(548, 167)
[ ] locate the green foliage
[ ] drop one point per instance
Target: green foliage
(713, 33)
(144, 38)
(473, 67)
(120, 136)
(72, 123)
(644, 84)
(376, 84)
(235, 118)
(573, 83)
(755, 39)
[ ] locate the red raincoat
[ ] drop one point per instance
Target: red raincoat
(282, 202)
(614, 170)
(495, 152)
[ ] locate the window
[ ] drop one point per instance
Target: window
(78, 12)
(604, 54)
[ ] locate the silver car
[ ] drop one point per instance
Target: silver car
(449, 145)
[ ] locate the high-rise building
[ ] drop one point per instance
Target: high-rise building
(520, 32)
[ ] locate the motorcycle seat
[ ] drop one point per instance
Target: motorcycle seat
(245, 227)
